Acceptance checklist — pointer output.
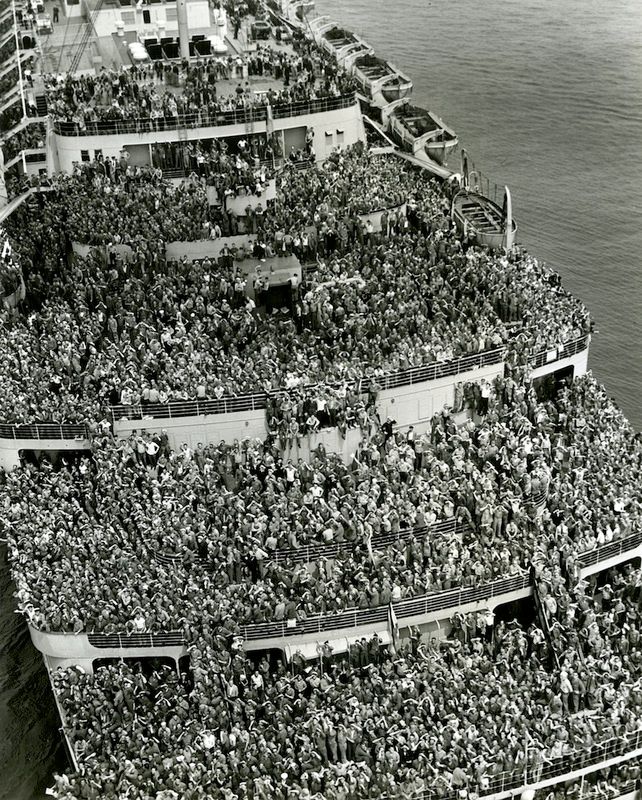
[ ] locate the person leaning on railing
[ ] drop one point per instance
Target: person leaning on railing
(269, 504)
(344, 322)
(424, 721)
(128, 95)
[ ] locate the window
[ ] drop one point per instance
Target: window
(147, 17)
(170, 13)
(98, 153)
(339, 136)
(84, 155)
(128, 17)
(329, 138)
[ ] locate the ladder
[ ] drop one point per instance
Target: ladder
(86, 36)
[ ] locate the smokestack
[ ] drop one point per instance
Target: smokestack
(183, 30)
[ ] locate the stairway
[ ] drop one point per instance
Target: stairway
(41, 105)
(542, 617)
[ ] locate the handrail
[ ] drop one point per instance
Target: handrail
(18, 200)
(620, 748)
(320, 105)
(123, 640)
(355, 617)
(390, 380)
(21, 125)
(247, 402)
(203, 119)
(437, 369)
(311, 553)
(565, 350)
(40, 431)
(616, 548)
(190, 408)
(315, 552)
(258, 401)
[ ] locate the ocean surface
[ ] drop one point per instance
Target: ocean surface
(546, 95)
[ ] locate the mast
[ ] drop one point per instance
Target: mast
(464, 168)
(183, 28)
(508, 219)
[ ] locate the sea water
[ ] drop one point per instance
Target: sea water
(546, 95)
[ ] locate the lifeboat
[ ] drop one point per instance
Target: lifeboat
(491, 224)
(380, 82)
(338, 41)
(419, 132)
(300, 9)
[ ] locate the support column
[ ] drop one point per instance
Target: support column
(183, 29)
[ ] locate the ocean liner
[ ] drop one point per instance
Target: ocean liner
(301, 89)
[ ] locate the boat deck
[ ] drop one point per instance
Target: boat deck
(113, 52)
(71, 38)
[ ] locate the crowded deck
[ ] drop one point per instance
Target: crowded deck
(302, 609)
(341, 322)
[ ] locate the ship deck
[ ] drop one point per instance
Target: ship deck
(60, 47)
(70, 39)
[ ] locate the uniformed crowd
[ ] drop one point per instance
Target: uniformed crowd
(98, 329)
(134, 536)
(446, 719)
(32, 137)
(156, 95)
(235, 520)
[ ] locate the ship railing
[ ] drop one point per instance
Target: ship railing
(308, 554)
(252, 402)
(447, 599)
(274, 164)
(565, 350)
(312, 552)
(166, 559)
(141, 125)
(610, 550)
(404, 609)
(31, 155)
(318, 105)
(320, 623)
(574, 764)
(202, 119)
(190, 408)
(437, 369)
(42, 431)
(122, 641)
(21, 125)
